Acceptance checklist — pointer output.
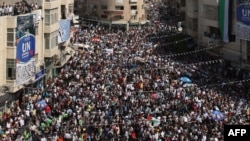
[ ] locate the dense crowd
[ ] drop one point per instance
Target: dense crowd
(120, 87)
(18, 8)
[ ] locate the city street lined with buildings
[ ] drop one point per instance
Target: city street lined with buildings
(130, 85)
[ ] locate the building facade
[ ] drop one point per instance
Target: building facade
(113, 12)
(203, 22)
(31, 44)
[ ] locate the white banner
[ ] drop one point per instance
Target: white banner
(243, 32)
(25, 71)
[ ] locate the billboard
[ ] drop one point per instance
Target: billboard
(243, 20)
(25, 49)
(64, 30)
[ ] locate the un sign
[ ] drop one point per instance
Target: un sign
(25, 48)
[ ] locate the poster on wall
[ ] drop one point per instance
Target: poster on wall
(25, 49)
(64, 30)
(243, 20)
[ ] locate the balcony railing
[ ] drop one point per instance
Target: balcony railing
(133, 12)
(133, 1)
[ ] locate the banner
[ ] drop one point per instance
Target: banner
(243, 20)
(25, 49)
(64, 30)
(224, 19)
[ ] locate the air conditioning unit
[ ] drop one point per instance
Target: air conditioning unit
(133, 12)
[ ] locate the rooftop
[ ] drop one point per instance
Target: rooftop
(18, 8)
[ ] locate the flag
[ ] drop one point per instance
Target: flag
(155, 121)
(149, 118)
(133, 135)
(224, 20)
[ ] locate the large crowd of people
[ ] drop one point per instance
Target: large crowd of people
(22, 7)
(119, 86)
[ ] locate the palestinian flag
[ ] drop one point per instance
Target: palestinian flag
(224, 20)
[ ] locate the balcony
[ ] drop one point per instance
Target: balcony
(51, 52)
(211, 2)
(117, 12)
(133, 12)
(51, 28)
(209, 42)
(52, 4)
(208, 22)
(132, 1)
(66, 2)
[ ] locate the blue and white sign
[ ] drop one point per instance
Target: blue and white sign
(40, 74)
(243, 20)
(64, 30)
(25, 48)
(243, 14)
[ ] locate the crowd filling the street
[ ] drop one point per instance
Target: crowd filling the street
(121, 86)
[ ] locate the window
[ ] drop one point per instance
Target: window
(195, 24)
(183, 2)
(104, 7)
(11, 69)
(71, 8)
(183, 16)
(10, 37)
(248, 51)
(51, 16)
(133, 7)
(104, 16)
(119, 7)
(51, 40)
(119, 1)
(118, 17)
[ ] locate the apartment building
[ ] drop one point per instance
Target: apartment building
(113, 12)
(203, 20)
(32, 46)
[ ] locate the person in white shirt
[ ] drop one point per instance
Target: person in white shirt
(10, 10)
(43, 139)
(36, 6)
(21, 122)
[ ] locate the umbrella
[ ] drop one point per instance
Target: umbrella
(154, 96)
(95, 40)
(67, 136)
(41, 104)
(185, 80)
(217, 115)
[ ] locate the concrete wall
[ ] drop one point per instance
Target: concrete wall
(3, 49)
